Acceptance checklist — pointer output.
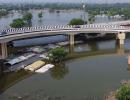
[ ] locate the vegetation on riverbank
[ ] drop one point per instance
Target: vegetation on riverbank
(92, 9)
(3, 12)
(26, 21)
(28, 17)
(111, 10)
(77, 21)
(40, 15)
(18, 23)
(57, 55)
(122, 93)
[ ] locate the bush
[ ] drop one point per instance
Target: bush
(76, 22)
(17, 23)
(123, 93)
(40, 15)
(28, 17)
(57, 55)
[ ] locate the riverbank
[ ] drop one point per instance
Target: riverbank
(113, 94)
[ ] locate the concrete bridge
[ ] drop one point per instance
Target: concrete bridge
(29, 32)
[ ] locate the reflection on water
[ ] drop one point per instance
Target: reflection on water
(93, 46)
(128, 67)
(10, 79)
(120, 50)
(33, 95)
(76, 79)
(59, 71)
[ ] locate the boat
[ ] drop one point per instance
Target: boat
(48, 66)
(63, 43)
(53, 46)
(37, 49)
(44, 56)
(67, 43)
(41, 70)
(16, 60)
(20, 59)
(30, 55)
(44, 68)
(34, 66)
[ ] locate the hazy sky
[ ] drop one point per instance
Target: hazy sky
(74, 1)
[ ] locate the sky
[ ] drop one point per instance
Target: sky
(68, 1)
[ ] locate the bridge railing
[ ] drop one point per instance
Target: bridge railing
(62, 27)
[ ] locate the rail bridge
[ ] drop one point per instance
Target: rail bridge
(11, 34)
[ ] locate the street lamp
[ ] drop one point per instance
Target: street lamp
(84, 12)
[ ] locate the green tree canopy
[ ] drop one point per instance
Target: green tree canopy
(76, 21)
(40, 15)
(112, 12)
(57, 54)
(126, 13)
(91, 19)
(3, 12)
(28, 17)
(18, 23)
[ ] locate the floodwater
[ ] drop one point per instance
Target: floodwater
(96, 69)
(49, 18)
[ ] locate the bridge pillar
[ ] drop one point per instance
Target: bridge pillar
(121, 37)
(71, 49)
(120, 49)
(71, 42)
(3, 51)
(71, 37)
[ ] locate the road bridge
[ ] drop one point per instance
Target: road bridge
(70, 30)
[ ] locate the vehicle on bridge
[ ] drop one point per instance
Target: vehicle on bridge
(126, 25)
(3, 33)
(76, 26)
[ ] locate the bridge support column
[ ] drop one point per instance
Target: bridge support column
(71, 39)
(71, 42)
(4, 52)
(121, 38)
(71, 49)
(120, 49)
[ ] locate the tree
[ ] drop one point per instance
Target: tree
(4, 12)
(28, 17)
(18, 23)
(123, 93)
(77, 21)
(126, 13)
(91, 19)
(57, 55)
(112, 12)
(40, 15)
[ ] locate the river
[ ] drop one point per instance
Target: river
(96, 69)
